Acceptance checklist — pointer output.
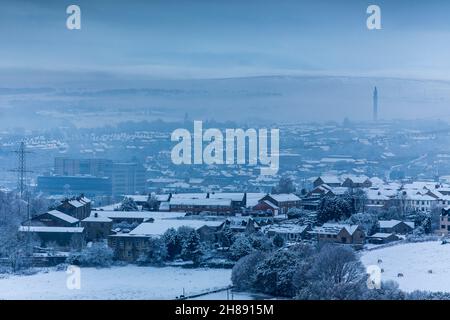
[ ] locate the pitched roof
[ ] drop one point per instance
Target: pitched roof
(51, 229)
(63, 216)
(393, 223)
(287, 228)
(76, 203)
(382, 235)
(98, 218)
(284, 197)
(330, 179)
(201, 202)
(159, 227)
(335, 228)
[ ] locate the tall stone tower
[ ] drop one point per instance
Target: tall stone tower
(375, 104)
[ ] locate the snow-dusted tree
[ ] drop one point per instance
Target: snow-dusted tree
(278, 241)
(275, 273)
(242, 246)
(15, 247)
(96, 255)
(360, 200)
(335, 273)
(337, 264)
(226, 237)
(128, 204)
(285, 185)
(155, 252)
(173, 242)
(260, 241)
(153, 203)
(192, 248)
(334, 209)
(392, 213)
(243, 273)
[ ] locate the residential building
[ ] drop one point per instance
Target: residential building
(97, 227)
(396, 226)
(339, 233)
(284, 201)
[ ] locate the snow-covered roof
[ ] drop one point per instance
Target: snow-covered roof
(234, 196)
(284, 197)
(376, 181)
(419, 197)
(286, 228)
(137, 198)
(270, 204)
(335, 228)
(159, 227)
(161, 197)
(85, 200)
(51, 229)
(381, 235)
(393, 223)
(339, 190)
(97, 218)
(76, 203)
(356, 179)
(189, 196)
(63, 216)
(377, 194)
(389, 223)
(330, 179)
(240, 223)
(139, 214)
(201, 202)
(253, 198)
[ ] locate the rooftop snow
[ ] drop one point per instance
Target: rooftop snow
(51, 229)
(63, 216)
(158, 227)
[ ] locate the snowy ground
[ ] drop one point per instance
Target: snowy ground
(414, 260)
(128, 282)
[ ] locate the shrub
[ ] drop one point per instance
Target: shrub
(97, 255)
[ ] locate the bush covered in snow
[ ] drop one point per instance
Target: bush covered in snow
(96, 255)
(332, 272)
(241, 247)
(244, 271)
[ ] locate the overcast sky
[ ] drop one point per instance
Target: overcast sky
(218, 38)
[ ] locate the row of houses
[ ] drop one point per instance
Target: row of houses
(389, 230)
(129, 246)
(69, 224)
(222, 204)
(379, 195)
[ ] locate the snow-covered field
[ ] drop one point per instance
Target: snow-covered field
(414, 260)
(130, 282)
